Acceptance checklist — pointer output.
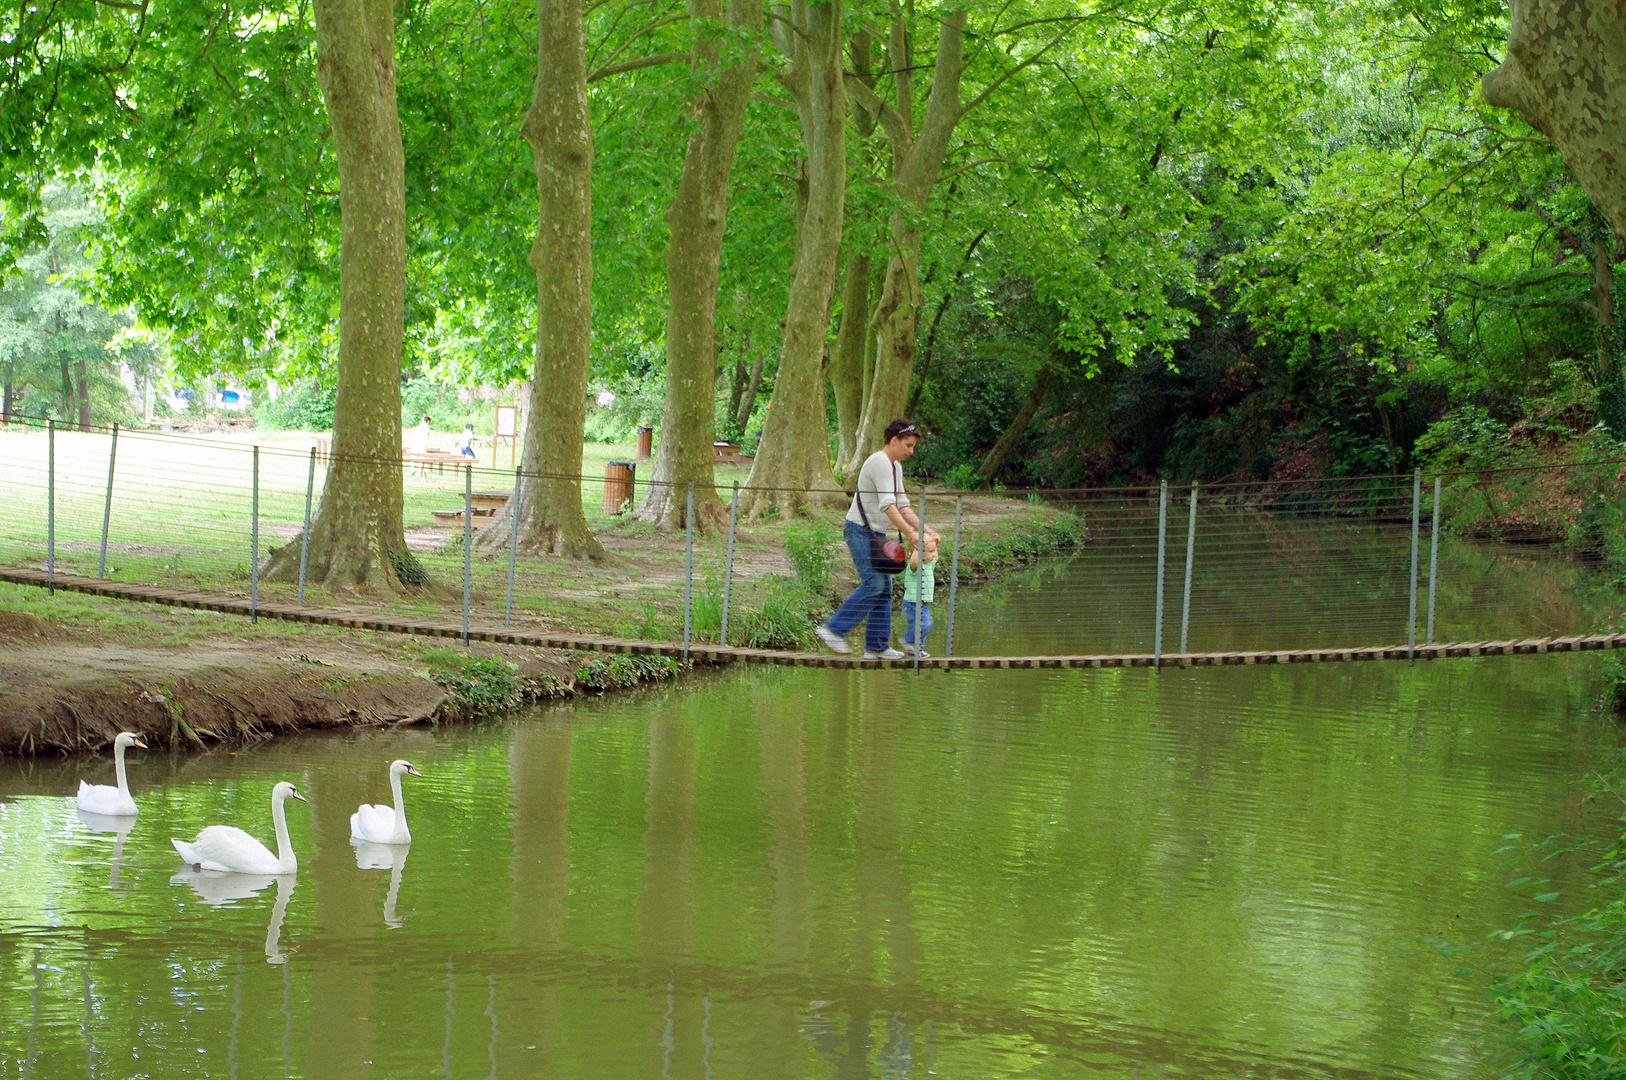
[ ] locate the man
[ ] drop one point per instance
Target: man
(880, 497)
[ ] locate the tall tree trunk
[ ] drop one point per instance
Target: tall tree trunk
(748, 400)
(847, 359)
(1565, 73)
(67, 383)
(916, 162)
(558, 128)
(696, 218)
(794, 455)
(1017, 427)
(82, 378)
(849, 375)
(737, 391)
(6, 398)
(356, 538)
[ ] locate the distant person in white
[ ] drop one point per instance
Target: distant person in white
(418, 443)
(880, 486)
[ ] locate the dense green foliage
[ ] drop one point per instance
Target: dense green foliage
(1237, 240)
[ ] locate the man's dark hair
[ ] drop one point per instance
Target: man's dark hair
(899, 428)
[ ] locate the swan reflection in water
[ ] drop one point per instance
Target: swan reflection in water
(391, 857)
(218, 890)
(120, 828)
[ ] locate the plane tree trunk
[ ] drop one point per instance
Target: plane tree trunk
(548, 512)
(847, 358)
(794, 455)
(1565, 73)
(696, 218)
(916, 161)
(357, 540)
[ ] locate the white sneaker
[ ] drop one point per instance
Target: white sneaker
(832, 640)
(909, 650)
(889, 654)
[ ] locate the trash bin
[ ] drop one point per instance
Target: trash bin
(646, 442)
(618, 477)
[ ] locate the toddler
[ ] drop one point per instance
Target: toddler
(919, 581)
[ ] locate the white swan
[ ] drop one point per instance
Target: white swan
(112, 801)
(231, 850)
(377, 824)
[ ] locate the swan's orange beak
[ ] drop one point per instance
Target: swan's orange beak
(300, 797)
(139, 745)
(413, 772)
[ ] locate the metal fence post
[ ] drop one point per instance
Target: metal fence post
(513, 549)
(468, 547)
(728, 562)
(1433, 558)
(1191, 551)
(1411, 591)
(254, 545)
(1162, 552)
(688, 570)
(954, 574)
(305, 537)
(107, 506)
(50, 507)
(920, 571)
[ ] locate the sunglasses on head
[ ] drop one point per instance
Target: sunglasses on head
(910, 430)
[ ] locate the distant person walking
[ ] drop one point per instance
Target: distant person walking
(418, 443)
(880, 497)
(465, 443)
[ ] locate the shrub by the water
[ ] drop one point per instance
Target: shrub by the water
(1568, 1001)
(784, 621)
(478, 687)
(618, 671)
(980, 558)
(813, 546)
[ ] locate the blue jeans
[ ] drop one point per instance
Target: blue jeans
(871, 602)
(909, 622)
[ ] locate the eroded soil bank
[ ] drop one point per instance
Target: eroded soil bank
(67, 688)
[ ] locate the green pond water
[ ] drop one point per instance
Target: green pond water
(1215, 872)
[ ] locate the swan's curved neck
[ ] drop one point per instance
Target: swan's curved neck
(118, 767)
(400, 809)
(279, 816)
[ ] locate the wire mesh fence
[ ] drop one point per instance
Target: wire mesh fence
(1160, 570)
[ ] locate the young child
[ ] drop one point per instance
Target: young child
(919, 582)
(465, 445)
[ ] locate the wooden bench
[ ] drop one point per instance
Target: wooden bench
(725, 453)
(482, 517)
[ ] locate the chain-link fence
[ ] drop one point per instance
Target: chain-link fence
(1164, 570)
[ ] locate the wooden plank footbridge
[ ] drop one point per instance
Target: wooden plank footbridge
(719, 654)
